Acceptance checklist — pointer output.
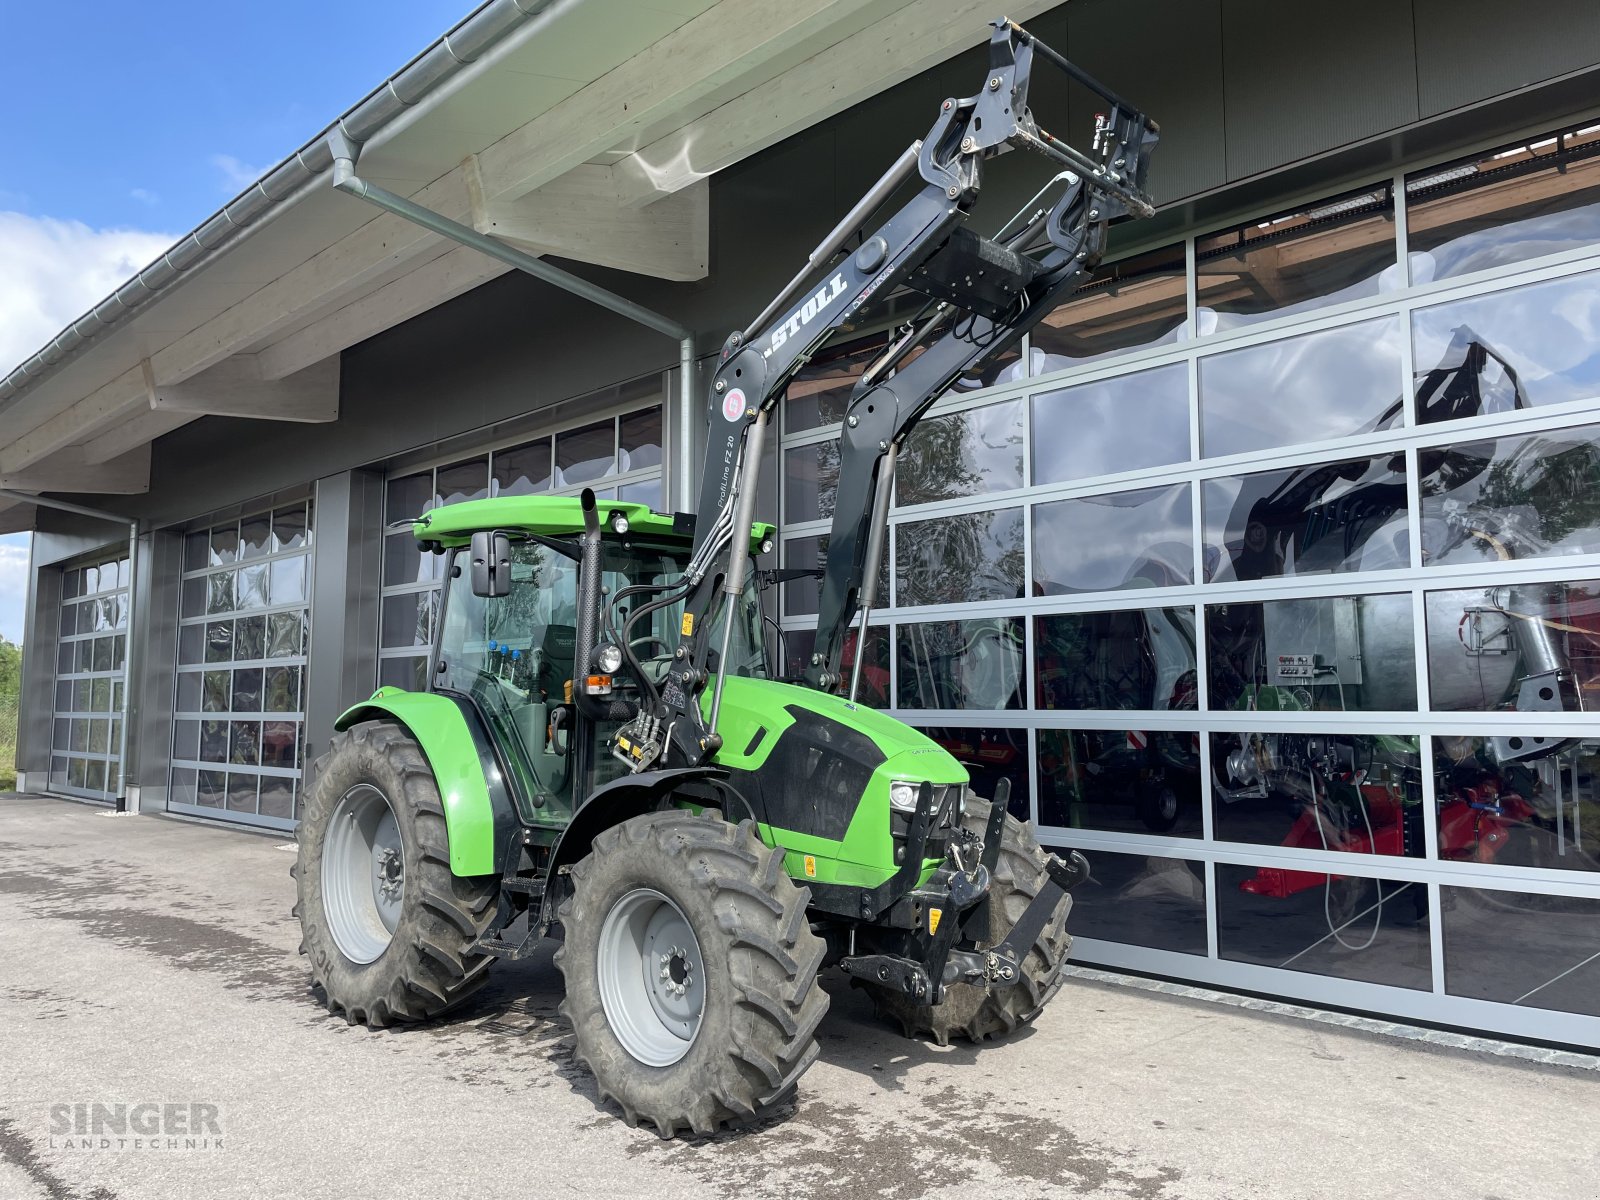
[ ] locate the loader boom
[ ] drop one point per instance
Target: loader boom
(981, 295)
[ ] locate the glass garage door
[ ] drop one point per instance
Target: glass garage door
(1268, 572)
(86, 739)
(243, 635)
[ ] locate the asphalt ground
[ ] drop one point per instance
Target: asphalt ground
(146, 961)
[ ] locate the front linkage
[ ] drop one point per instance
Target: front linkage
(918, 927)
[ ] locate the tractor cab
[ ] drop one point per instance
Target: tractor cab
(508, 639)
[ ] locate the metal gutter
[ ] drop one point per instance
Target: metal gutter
(344, 154)
(482, 34)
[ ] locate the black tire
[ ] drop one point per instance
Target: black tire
(762, 1001)
(427, 966)
(977, 1013)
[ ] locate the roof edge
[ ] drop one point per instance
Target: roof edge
(474, 36)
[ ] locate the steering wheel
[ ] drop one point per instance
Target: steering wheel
(647, 639)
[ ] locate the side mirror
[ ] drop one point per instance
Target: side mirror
(491, 564)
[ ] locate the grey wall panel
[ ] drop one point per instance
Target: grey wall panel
(1470, 51)
(1300, 79)
(152, 666)
(41, 626)
(346, 561)
(1168, 60)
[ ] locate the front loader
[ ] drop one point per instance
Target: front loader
(603, 752)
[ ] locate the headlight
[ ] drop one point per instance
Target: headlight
(903, 797)
(608, 658)
(619, 522)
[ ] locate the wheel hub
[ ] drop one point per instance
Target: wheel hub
(651, 976)
(363, 874)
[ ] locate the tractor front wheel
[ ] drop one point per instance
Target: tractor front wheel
(387, 928)
(968, 1010)
(691, 971)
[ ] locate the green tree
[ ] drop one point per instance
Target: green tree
(10, 687)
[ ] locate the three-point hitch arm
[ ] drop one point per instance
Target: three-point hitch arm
(981, 295)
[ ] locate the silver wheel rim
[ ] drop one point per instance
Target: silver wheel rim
(652, 977)
(363, 874)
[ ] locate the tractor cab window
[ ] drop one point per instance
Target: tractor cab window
(513, 655)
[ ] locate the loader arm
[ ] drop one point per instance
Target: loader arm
(981, 294)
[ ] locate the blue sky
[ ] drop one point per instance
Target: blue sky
(129, 124)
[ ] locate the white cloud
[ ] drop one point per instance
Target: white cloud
(13, 584)
(145, 196)
(236, 175)
(57, 270)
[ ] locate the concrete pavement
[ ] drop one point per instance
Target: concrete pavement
(147, 961)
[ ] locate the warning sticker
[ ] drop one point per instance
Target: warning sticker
(733, 404)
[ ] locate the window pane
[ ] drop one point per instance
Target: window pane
(408, 496)
(1520, 348)
(224, 544)
(194, 597)
(1139, 301)
(408, 673)
(803, 595)
(1504, 207)
(464, 481)
(1137, 539)
(282, 690)
(213, 741)
(289, 580)
(247, 690)
(250, 638)
(217, 691)
(819, 390)
(990, 755)
(1120, 780)
(797, 645)
(1310, 520)
(255, 536)
(952, 560)
(69, 618)
(1138, 659)
(1306, 389)
(962, 454)
(186, 739)
(1344, 792)
(289, 530)
(586, 454)
(219, 641)
(285, 635)
(1328, 653)
(1512, 497)
(811, 478)
(1344, 926)
(252, 586)
(184, 785)
(1141, 900)
(644, 491)
(277, 798)
(1519, 801)
(408, 619)
(641, 440)
(241, 792)
(213, 789)
(188, 691)
(1522, 948)
(962, 664)
(1528, 647)
(277, 743)
(1342, 249)
(522, 470)
(195, 550)
(220, 592)
(1123, 424)
(244, 743)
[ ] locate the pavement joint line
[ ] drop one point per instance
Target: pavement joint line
(1384, 1028)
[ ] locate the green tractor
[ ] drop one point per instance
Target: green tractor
(603, 750)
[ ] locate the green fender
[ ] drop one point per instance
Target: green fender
(478, 818)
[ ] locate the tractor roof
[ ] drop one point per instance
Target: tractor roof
(454, 524)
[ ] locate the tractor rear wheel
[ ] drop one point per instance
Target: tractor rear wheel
(691, 971)
(387, 928)
(977, 1013)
